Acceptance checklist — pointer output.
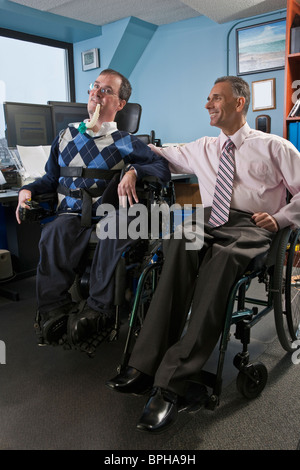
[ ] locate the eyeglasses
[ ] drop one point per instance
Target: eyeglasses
(96, 87)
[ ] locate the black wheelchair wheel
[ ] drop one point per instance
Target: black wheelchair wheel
(292, 291)
(280, 288)
(252, 380)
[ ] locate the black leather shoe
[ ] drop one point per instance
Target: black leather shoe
(160, 411)
(85, 323)
(131, 381)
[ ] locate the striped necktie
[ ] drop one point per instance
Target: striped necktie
(223, 189)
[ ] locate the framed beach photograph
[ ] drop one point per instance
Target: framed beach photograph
(261, 47)
(263, 94)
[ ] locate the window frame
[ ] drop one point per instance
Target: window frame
(9, 33)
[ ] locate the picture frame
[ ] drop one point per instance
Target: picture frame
(261, 47)
(264, 94)
(90, 59)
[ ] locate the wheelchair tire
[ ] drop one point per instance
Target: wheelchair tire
(252, 380)
(280, 287)
(292, 291)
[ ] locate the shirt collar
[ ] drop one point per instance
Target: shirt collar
(106, 128)
(237, 138)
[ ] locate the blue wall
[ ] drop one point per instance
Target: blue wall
(41, 23)
(175, 72)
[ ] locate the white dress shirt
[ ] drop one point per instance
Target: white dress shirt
(266, 165)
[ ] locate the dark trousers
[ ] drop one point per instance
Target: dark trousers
(62, 248)
(201, 280)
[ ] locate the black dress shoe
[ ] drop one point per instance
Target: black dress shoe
(160, 411)
(131, 381)
(83, 324)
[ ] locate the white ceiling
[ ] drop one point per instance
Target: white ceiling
(158, 12)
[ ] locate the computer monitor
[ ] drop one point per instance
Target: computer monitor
(64, 113)
(28, 124)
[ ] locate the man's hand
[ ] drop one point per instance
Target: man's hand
(24, 195)
(265, 220)
(126, 189)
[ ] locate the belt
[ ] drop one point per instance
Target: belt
(86, 195)
(95, 173)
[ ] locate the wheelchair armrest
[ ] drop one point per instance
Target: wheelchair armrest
(47, 197)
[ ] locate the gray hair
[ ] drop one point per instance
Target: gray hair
(239, 88)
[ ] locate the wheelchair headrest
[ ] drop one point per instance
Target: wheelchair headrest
(128, 119)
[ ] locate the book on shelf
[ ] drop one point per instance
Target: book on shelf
(294, 133)
(295, 111)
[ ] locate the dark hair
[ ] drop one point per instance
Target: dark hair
(125, 87)
(239, 88)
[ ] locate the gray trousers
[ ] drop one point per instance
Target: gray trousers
(202, 279)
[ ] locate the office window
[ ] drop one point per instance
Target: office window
(34, 70)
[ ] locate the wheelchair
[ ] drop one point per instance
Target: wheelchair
(150, 192)
(279, 271)
(129, 267)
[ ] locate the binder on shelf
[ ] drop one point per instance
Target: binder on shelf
(295, 34)
(295, 40)
(294, 134)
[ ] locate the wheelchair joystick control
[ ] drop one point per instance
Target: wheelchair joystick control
(31, 212)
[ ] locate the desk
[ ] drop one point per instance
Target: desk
(21, 240)
(186, 192)
(8, 195)
(181, 177)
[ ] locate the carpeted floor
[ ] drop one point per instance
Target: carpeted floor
(57, 400)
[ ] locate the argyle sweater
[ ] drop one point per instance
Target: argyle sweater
(108, 152)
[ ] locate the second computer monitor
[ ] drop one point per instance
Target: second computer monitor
(65, 113)
(28, 124)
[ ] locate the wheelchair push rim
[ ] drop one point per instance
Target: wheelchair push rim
(287, 292)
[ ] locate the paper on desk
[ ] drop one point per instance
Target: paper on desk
(34, 159)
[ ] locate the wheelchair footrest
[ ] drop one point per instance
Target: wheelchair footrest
(195, 399)
(90, 345)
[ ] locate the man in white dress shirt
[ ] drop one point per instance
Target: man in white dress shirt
(265, 167)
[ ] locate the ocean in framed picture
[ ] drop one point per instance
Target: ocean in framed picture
(261, 47)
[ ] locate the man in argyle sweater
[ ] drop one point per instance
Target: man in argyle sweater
(83, 166)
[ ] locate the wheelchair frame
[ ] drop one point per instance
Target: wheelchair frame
(280, 272)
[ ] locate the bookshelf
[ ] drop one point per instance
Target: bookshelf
(292, 67)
